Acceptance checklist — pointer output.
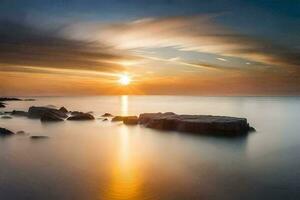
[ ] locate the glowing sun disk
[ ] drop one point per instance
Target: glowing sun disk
(124, 79)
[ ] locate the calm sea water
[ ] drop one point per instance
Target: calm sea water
(105, 160)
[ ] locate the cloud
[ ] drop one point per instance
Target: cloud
(24, 45)
(192, 33)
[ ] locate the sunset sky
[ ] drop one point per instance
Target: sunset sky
(176, 47)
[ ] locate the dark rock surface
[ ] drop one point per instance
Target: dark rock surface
(19, 113)
(9, 99)
(81, 116)
(2, 105)
(51, 117)
(107, 115)
(117, 118)
(21, 132)
(200, 124)
(6, 117)
(130, 120)
(63, 109)
(105, 119)
(39, 112)
(126, 119)
(35, 137)
(5, 132)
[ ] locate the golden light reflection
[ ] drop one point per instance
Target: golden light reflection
(124, 104)
(125, 183)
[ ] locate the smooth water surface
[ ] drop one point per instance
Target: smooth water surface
(105, 160)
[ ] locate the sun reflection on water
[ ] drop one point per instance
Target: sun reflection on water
(125, 182)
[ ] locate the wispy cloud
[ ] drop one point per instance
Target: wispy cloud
(25, 45)
(194, 33)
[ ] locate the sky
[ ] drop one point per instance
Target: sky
(169, 47)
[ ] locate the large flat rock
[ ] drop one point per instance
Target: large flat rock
(200, 124)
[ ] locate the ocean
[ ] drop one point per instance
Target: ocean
(109, 160)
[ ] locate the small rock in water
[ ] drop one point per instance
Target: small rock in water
(19, 113)
(131, 120)
(105, 119)
(28, 99)
(38, 112)
(20, 132)
(6, 117)
(39, 137)
(2, 105)
(81, 116)
(9, 99)
(107, 115)
(5, 132)
(126, 119)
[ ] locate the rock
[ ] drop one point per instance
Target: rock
(20, 132)
(2, 105)
(19, 113)
(51, 117)
(200, 124)
(29, 99)
(130, 120)
(81, 116)
(105, 119)
(9, 99)
(117, 118)
(76, 112)
(126, 119)
(63, 109)
(5, 132)
(35, 137)
(107, 115)
(38, 112)
(6, 117)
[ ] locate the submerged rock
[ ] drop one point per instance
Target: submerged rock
(2, 105)
(19, 113)
(20, 132)
(39, 137)
(107, 115)
(81, 116)
(200, 124)
(5, 132)
(6, 117)
(29, 99)
(39, 112)
(105, 119)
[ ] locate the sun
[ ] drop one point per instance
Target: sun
(124, 79)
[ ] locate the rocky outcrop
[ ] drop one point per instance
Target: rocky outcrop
(107, 115)
(39, 112)
(5, 132)
(2, 105)
(200, 124)
(81, 116)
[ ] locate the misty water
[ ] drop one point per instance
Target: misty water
(105, 160)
